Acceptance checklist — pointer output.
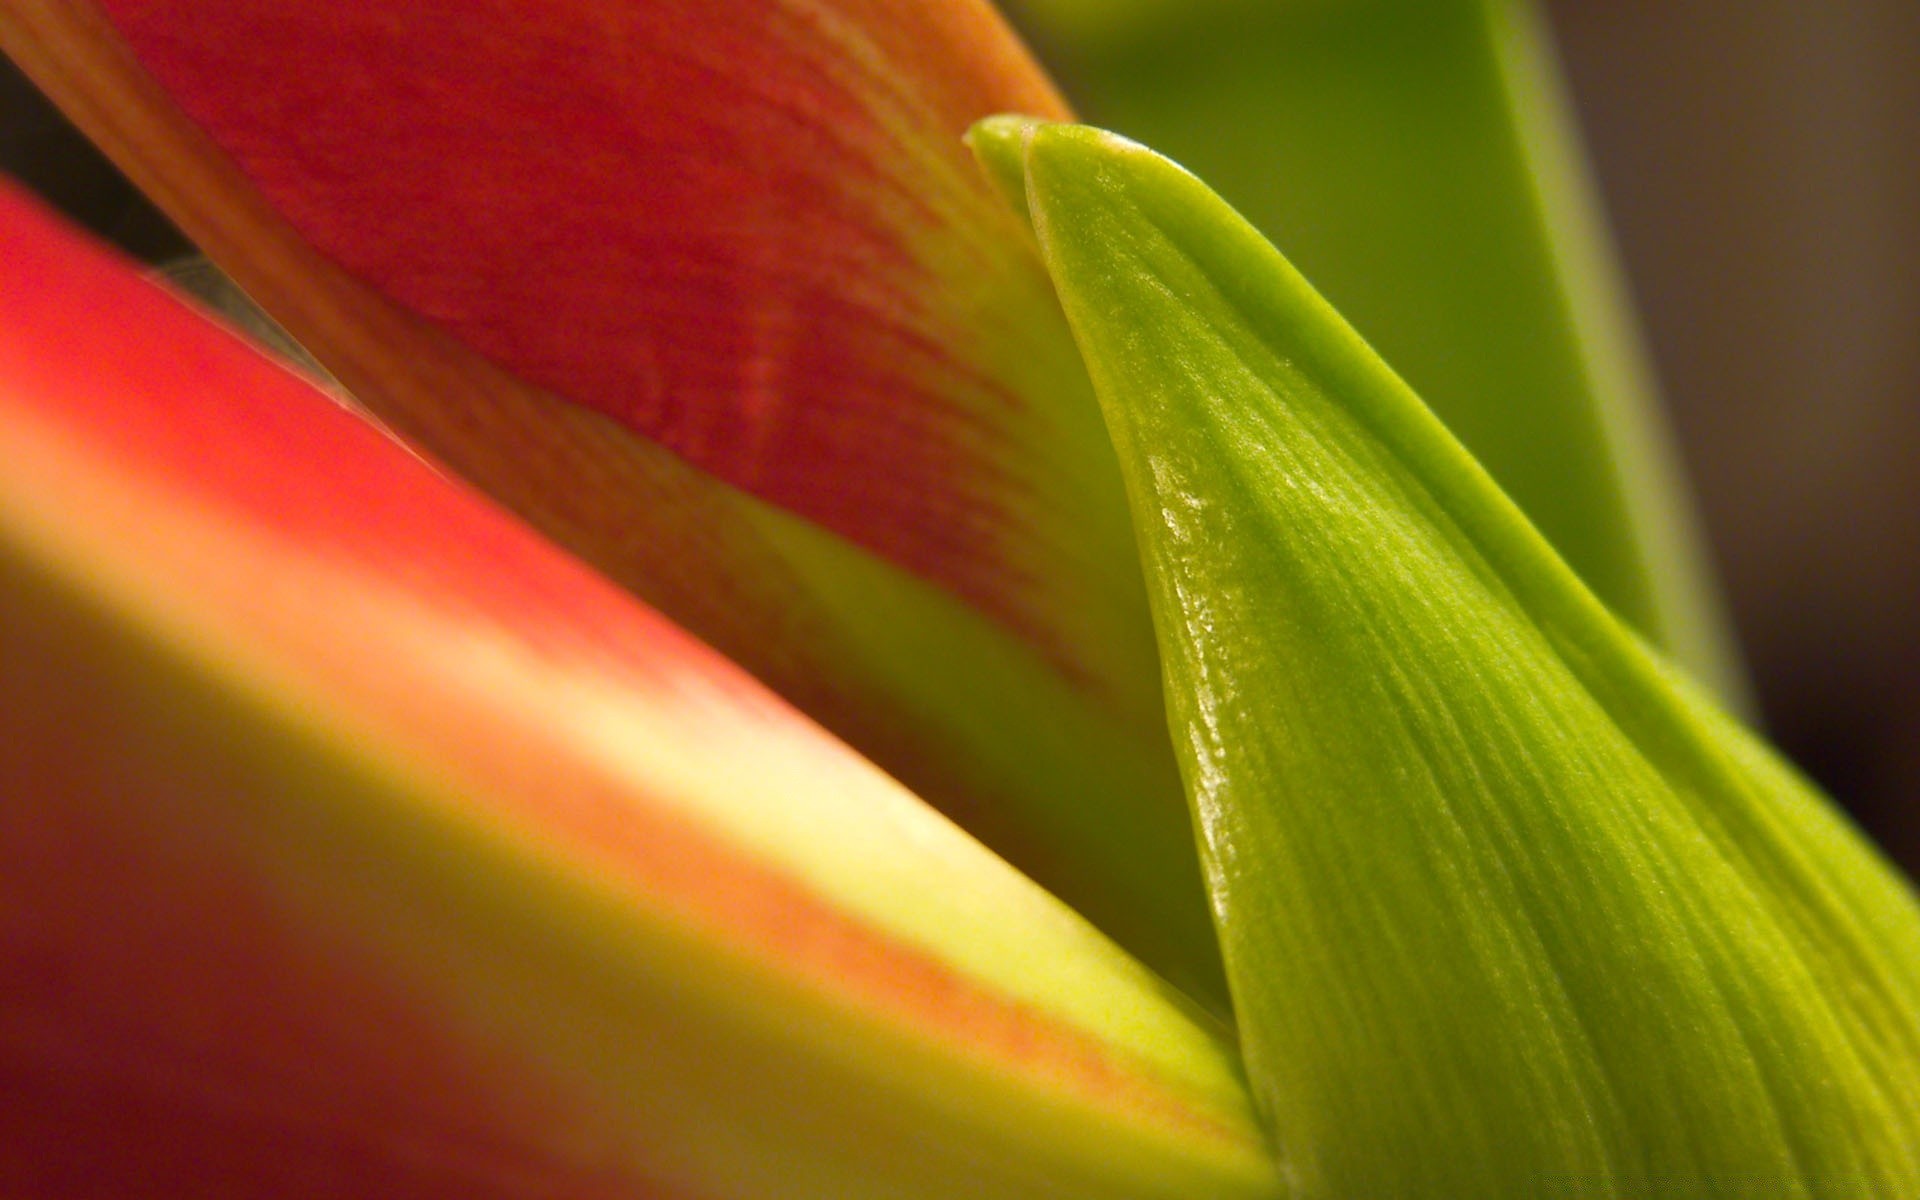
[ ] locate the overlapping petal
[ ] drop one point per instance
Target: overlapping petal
(710, 293)
(356, 841)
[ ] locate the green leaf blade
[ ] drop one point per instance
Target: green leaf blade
(1420, 164)
(1505, 905)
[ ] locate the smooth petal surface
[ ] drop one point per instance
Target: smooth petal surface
(711, 294)
(1417, 161)
(1508, 908)
(357, 842)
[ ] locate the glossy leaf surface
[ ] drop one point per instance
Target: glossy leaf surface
(357, 841)
(1508, 908)
(1417, 161)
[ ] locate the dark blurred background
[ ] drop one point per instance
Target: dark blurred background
(1760, 161)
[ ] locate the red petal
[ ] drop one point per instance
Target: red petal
(356, 838)
(748, 231)
(522, 233)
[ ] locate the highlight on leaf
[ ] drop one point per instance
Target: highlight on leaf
(1507, 906)
(357, 840)
(1421, 164)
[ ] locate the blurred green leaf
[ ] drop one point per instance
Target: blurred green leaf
(1507, 906)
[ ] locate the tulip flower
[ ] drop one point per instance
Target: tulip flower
(364, 840)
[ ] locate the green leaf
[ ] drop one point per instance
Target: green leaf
(1417, 162)
(1508, 907)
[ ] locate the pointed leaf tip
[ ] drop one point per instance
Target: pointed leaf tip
(1506, 905)
(999, 145)
(1419, 163)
